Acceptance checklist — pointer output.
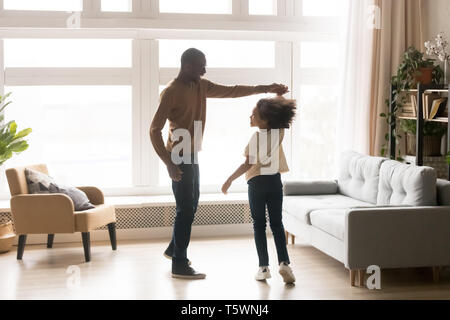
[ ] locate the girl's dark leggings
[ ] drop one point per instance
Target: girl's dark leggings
(267, 190)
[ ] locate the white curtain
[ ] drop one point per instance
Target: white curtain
(361, 17)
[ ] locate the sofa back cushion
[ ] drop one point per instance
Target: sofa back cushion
(443, 192)
(403, 184)
(359, 176)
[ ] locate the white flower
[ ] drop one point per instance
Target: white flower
(438, 49)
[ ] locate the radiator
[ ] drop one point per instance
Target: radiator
(163, 216)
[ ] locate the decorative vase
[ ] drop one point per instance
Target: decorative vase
(7, 236)
(445, 71)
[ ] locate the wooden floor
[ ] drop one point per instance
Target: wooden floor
(137, 270)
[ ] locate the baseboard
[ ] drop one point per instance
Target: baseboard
(201, 231)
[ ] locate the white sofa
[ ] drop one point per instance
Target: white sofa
(379, 212)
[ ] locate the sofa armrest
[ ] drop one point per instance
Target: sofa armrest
(94, 194)
(43, 213)
(310, 187)
(397, 237)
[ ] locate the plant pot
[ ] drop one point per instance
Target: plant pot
(431, 145)
(7, 237)
(424, 75)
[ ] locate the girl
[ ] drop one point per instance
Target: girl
(264, 162)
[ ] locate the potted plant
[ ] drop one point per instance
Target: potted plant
(432, 134)
(413, 69)
(11, 142)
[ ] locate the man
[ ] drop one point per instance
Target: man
(183, 102)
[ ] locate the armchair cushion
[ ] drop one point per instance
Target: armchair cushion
(39, 182)
(79, 198)
(92, 219)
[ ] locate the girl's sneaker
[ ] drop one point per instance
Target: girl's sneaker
(263, 274)
(286, 273)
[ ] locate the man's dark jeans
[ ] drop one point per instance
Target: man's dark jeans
(267, 190)
(186, 192)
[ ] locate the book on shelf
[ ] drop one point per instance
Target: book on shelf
(428, 100)
(406, 110)
(414, 105)
(437, 108)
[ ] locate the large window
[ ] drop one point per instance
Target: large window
(116, 5)
(89, 94)
(196, 6)
(43, 5)
(262, 7)
(75, 95)
(322, 8)
(67, 53)
(220, 53)
(83, 133)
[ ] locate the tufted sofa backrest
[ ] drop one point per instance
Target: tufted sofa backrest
(402, 184)
(359, 176)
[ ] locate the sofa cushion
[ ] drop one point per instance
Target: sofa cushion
(310, 187)
(331, 221)
(359, 176)
(301, 206)
(443, 192)
(403, 184)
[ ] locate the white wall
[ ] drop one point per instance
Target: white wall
(437, 13)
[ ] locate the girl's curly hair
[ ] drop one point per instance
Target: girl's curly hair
(278, 112)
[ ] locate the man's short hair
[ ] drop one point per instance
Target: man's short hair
(191, 55)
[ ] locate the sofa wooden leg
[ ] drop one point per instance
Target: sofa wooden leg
(287, 237)
(86, 245)
(361, 277)
(50, 239)
(292, 239)
(352, 277)
(21, 246)
(112, 235)
(436, 274)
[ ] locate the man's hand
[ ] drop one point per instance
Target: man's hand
(279, 89)
(174, 172)
(226, 186)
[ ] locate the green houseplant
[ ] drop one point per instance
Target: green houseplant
(409, 73)
(11, 142)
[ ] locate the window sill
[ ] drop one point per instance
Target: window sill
(151, 201)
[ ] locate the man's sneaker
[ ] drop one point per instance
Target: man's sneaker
(186, 272)
(286, 273)
(263, 274)
(169, 255)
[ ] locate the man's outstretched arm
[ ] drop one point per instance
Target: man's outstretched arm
(215, 90)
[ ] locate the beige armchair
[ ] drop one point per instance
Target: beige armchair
(54, 213)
